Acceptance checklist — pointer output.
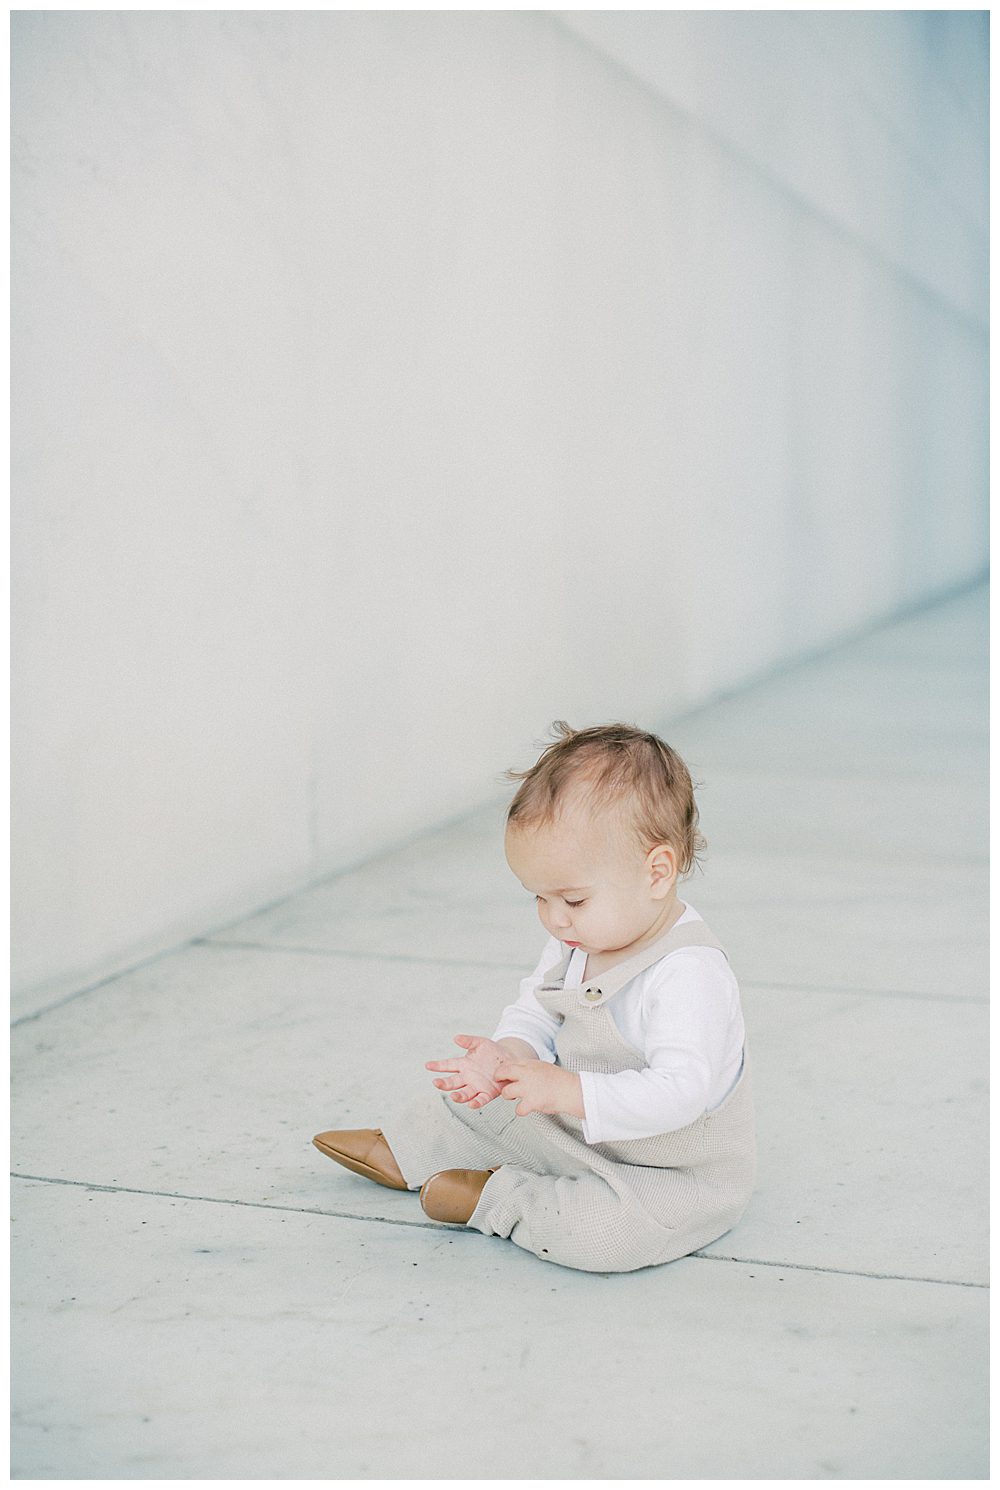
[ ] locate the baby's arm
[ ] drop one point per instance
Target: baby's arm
(692, 1035)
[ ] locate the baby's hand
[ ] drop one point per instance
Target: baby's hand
(537, 1086)
(473, 1079)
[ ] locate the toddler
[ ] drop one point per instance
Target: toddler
(607, 1123)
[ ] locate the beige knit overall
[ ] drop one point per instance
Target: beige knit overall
(601, 1207)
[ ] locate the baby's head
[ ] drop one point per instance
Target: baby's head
(600, 830)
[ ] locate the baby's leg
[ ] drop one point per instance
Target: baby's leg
(581, 1221)
(434, 1133)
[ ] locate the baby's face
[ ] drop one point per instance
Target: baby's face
(594, 888)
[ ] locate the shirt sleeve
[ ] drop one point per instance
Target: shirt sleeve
(690, 1019)
(526, 1019)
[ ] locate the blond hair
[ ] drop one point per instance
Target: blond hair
(620, 766)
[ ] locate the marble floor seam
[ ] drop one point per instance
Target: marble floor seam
(897, 993)
(263, 1205)
(814, 1267)
(254, 1205)
(876, 993)
(209, 941)
(364, 956)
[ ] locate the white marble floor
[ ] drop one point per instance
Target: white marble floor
(198, 1293)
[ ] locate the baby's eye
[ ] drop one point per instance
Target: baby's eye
(574, 903)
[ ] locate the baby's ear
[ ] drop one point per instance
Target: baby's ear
(661, 862)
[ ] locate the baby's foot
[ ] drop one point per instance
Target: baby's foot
(453, 1194)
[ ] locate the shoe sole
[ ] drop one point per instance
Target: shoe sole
(359, 1167)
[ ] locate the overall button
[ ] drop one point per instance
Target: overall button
(592, 995)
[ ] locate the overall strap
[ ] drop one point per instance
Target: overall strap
(599, 989)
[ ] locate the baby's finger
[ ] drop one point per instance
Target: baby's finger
(441, 1065)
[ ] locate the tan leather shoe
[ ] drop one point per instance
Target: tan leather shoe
(453, 1194)
(365, 1151)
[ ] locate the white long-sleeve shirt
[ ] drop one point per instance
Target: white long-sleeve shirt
(682, 1015)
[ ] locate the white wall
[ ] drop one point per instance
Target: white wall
(389, 384)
